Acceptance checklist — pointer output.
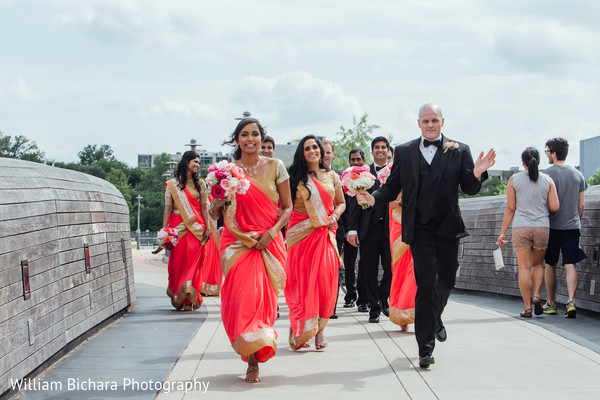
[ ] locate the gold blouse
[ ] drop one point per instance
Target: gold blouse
(202, 196)
(271, 178)
(331, 182)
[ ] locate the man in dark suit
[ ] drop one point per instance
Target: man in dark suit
(370, 228)
(356, 158)
(428, 171)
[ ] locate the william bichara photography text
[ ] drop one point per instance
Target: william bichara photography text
(126, 384)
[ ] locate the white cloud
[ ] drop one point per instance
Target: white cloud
(296, 98)
(184, 108)
(22, 89)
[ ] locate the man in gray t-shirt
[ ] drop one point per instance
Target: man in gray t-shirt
(564, 224)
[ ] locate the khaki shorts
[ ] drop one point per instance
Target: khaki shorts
(526, 237)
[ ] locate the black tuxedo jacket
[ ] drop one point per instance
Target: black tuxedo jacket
(454, 167)
(359, 218)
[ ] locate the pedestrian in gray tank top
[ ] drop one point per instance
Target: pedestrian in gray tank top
(530, 196)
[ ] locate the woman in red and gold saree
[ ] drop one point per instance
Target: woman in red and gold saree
(253, 250)
(186, 212)
(211, 274)
(404, 287)
(313, 259)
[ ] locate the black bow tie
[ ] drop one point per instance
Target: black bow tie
(377, 168)
(436, 143)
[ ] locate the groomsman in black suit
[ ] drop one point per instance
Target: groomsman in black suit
(371, 230)
(428, 171)
(356, 158)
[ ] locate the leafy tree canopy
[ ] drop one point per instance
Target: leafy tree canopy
(595, 179)
(359, 136)
(92, 153)
(20, 147)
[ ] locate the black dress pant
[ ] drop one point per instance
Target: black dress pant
(350, 253)
(372, 249)
(436, 261)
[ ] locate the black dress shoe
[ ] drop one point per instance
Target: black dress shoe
(333, 316)
(440, 333)
(385, 311)
(363, 308)
(426, 360)
(349, 304)
(374, 320)
(157, 250)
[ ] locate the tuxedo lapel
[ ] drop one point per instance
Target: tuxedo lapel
(414, 159)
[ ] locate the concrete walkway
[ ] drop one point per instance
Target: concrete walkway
(488, 355)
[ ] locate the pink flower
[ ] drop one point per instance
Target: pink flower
(237, 172)
(220, 174)
(354, 175)
(212, 168)
(450, 146)
(358, 170)
(244, 185)
(225, 184)
(217, 192)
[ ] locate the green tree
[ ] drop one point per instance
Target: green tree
(359, 136)
(595, 179)
(92, 153)
(490, 187)
(20, 147)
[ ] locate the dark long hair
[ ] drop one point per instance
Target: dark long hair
(181, 172)
(531, 158)
(299, 169)
(237, 154)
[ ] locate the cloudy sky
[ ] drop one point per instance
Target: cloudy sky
(146, 76)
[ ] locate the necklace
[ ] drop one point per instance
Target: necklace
(252, 170)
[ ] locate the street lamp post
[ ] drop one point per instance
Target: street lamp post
(138, 221)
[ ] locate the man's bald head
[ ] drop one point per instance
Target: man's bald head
(431, 107)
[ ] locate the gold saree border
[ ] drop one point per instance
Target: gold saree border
(185, 292)
(210, 290)
(249, 343)
(310, 329)
(402, 317)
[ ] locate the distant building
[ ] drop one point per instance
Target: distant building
(503, 175)
(146, 161)
(589, 156)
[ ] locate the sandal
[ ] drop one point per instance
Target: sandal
(526, 313)
(291, 342)
(537, 306)
(251, 369)
(320, 341)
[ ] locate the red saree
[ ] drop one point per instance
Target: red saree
(404, 287)
(211, 274)
(312, 264)
(186, 258)
(253, 278)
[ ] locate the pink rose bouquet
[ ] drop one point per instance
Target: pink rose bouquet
(167, 238)
(355, 179)
(224, 179)
(384, 173)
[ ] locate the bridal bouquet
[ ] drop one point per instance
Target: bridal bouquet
(355, 179)
(384, 173)
(167, 238)
(224, 179)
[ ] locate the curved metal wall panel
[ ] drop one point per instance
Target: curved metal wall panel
(65, 261)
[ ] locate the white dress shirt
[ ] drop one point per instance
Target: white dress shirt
(428, 152)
